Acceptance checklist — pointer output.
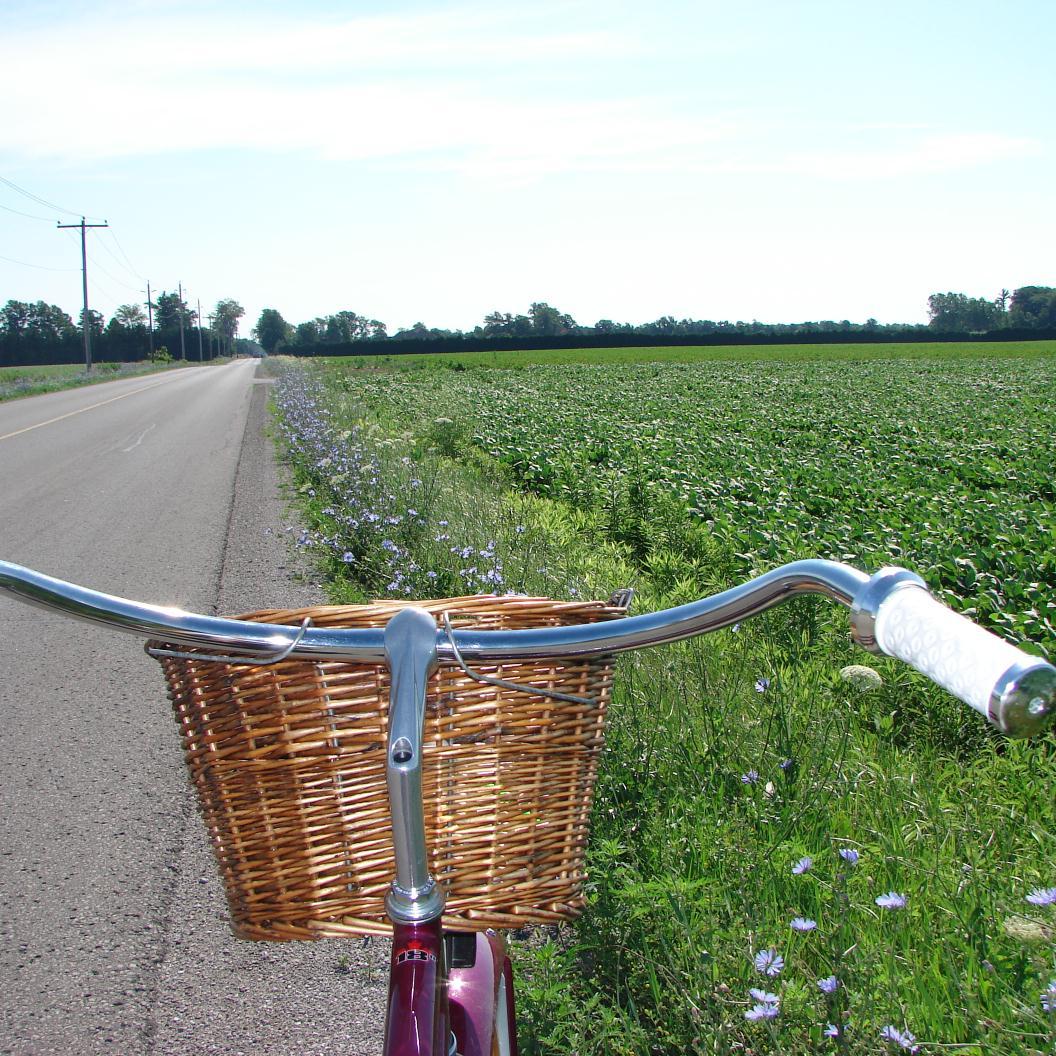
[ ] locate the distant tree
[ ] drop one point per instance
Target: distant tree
(496, 324)
(348, 326)
(1033, 307)
(548, 321)
(14, 319)
(272, 330)
(167, 311)
(225, 317)
(309, 333)
(49, 323)
(95, 323)
(959, 313)
(420, 332)
(128, 317)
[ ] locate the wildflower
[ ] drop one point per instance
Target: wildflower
(1042, 896)
(803, 924)
(348, 557)
(735, 628)
(1048, 997)
(892, 900)
(762, 685)
(902, 1038)
(763, 1011)
(849, 856)
(751, 777)
(802, 866)
(829, 984)
(769, 962)
(863, 678)
(764, 996)
(833, 1031)
(787, 764)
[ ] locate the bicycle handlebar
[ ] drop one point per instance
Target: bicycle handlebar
(891, 612)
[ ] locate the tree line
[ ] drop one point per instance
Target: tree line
(1028, 308)
(1031, 308)
(43, 333)
(36, 332)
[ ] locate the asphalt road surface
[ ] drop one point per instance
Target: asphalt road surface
(113, 935)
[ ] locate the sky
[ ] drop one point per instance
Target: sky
(436, 161)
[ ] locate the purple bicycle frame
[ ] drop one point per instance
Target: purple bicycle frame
(428, 1004)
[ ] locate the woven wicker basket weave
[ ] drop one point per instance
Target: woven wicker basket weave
(289, 764)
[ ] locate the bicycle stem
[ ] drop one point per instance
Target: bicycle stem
(410, 646)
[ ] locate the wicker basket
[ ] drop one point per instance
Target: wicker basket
(289, 764)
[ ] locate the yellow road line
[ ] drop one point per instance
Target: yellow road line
(70, 414)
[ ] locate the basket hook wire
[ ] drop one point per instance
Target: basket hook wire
(517, 687)
(252, 661)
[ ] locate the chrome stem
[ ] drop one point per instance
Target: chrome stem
(410, 645)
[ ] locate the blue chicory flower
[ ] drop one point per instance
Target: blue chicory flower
(1042, 896)
(892, 900)
(902, 1038)
(769, 962)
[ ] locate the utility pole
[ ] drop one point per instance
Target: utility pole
(85, 318)
(199, 329)
(150, 320)
(183, 346)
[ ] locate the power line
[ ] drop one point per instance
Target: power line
(111, 275)
(32, 216)
(39, 267)
(40, 201)
(108, 274)
(121, 248)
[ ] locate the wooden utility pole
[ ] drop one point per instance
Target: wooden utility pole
(199, 329)
(150, 320)
(85, 318)
(183, 346)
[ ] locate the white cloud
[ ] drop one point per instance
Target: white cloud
(475, 91)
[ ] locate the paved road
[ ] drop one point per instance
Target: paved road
(112, 935)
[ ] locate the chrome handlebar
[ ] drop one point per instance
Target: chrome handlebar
(1017, 710)
(265, 643)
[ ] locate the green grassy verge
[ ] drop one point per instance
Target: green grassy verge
(16, 382)
(730, 760)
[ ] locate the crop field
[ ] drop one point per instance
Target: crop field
(787, 855)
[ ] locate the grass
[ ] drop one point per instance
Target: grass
(729, 760)
(16, 382)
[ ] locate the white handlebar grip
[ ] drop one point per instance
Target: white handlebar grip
(1014, 690)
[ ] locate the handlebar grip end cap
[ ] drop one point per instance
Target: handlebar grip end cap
(1023, 703)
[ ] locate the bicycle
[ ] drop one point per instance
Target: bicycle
(238, 685)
